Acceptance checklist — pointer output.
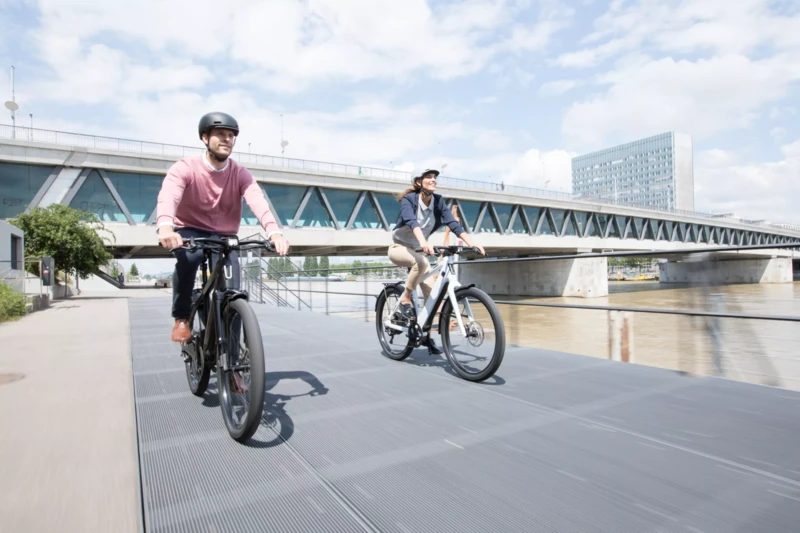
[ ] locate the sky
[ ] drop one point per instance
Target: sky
(499, 90)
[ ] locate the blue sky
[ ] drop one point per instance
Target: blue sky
(498, 90)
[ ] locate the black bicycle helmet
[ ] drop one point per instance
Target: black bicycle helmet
(217, 119)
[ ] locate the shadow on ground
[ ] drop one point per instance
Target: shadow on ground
(421, 358)
(275, 418)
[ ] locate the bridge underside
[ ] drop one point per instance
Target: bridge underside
(352, 441)
(142, 242)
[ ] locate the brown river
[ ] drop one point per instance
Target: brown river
(755, 351)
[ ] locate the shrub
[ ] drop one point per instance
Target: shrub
(12, 303)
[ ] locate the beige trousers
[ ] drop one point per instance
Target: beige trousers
(405, 256)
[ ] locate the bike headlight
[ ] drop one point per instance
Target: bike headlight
(233, 241)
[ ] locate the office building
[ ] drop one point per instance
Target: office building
(656, 172)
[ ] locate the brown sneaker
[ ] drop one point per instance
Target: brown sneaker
(181, 331)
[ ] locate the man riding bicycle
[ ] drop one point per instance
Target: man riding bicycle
(422, 212)
(201, 196)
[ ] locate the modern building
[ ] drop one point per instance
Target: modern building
(12, 242)
(655, 172)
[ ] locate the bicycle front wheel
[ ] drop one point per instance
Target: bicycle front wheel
(241, 387)
(476, 353)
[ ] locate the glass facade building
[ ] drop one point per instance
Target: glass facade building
(655, 172)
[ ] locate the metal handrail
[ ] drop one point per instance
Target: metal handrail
(653, 310)
(272, 294)
(174, 150)
(268, 269)
(721, 358)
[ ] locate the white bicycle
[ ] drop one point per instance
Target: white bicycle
(476, 327)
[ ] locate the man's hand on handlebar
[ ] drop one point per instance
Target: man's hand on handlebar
(281, 245)
(168, 238)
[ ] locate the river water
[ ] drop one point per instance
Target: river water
(755, 351)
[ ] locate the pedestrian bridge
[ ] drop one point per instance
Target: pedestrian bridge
(330, 209)
(353, 441)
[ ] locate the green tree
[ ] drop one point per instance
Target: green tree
(324, 265)
(134, 272)
(67, 235)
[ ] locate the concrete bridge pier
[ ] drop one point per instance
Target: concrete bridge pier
(586, 278)
(722, 271)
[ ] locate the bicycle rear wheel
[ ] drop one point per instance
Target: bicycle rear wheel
(241, 387)
(477, 356)
(384, 307)
(198, 369)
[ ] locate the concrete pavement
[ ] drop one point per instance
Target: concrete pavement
(68, 441)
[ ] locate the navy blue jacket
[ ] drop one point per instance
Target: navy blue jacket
(441, 214)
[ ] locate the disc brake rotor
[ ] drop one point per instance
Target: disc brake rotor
(475, 334)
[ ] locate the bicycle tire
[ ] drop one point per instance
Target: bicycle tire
(379, 305)
(499, 328)
(255, 393)
(197, 378)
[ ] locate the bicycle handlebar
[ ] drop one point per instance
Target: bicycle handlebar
(451, 250)
(229, 243)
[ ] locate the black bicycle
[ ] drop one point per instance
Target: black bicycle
(227, 340)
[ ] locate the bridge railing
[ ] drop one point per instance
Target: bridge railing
(174, 150)
(717, 331)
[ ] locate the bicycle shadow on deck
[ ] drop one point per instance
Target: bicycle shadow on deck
(420, 357)
(279, 425)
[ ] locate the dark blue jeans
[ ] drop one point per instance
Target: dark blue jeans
(187, 263)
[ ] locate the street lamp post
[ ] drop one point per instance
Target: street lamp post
(12, 106)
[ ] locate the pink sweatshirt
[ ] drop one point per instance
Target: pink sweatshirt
(196, 196)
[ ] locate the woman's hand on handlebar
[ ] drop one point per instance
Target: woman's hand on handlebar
(480, 248)
(427, 248)
(168, 238)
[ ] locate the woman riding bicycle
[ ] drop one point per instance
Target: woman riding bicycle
(422, 212)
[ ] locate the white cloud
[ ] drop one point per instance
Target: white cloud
(552, 19)
(194, 27)
(486, 100)
(551, 170)
(289, 46)
(778, 134)
(491, 140)
(104, 74)
(718, 27)
(765, 190)
(408, 166)
(558, 87)
(700, 97)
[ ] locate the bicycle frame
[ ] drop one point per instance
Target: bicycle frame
(215, 299)
(445, 286)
